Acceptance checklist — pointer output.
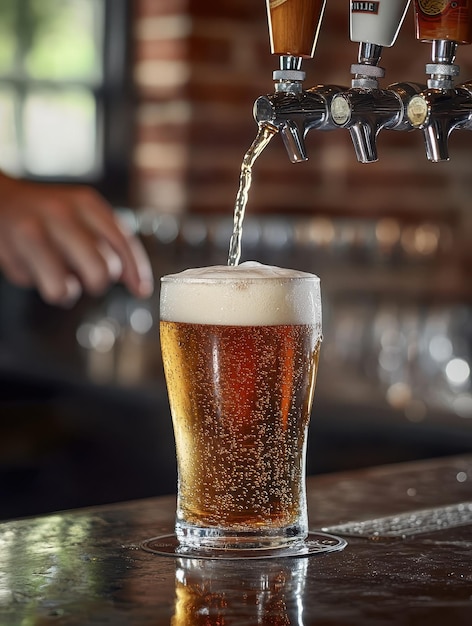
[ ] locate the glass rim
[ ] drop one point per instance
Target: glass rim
(178, 278)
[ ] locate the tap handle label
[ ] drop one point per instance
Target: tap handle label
(365, 7)
(377, 22)
(433, 7)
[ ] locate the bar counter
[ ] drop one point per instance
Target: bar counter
(408, 561)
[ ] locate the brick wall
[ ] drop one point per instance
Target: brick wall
(199, 67)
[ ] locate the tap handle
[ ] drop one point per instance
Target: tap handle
(446, 21)
(294, 26)
(377, 22)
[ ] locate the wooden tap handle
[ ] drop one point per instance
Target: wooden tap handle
(294, 26)
(448, 21)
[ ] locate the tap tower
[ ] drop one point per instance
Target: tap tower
(365, 108)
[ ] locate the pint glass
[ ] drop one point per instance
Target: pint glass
(240, 349)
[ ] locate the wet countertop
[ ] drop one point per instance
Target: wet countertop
(408, 561)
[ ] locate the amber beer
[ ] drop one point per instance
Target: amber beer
(444, 20)
(203, 596)
(294, 26)
(240, 349)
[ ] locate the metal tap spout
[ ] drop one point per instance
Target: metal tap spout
(441, 108)
(295, 114)
(366, 112)
(294, 111)
(365, 109)
(438, 113)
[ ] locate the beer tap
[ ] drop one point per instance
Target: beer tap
(365, 109)
(293, 29)
(441, 107)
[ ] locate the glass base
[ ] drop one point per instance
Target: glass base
(315, 543)
(210, 538)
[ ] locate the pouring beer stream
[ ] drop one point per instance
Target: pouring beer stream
(293, 29)
(263, 137)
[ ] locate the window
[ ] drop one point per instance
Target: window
(64, 91)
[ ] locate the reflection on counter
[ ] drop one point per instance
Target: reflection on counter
(395, 372)
(217, 592)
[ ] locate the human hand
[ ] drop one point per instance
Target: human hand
(66, 239)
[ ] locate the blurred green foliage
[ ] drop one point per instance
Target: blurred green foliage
(51, 39)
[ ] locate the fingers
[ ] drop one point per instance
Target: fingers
(61, 239)
(40, 261)
(12, 266)
(112, 261)
(93, 261)
(138, 274)
(136, 268)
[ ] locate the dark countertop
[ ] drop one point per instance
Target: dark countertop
(86, 567)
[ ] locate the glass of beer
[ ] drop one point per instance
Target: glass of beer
(240, 349)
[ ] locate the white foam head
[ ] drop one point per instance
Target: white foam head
(249, 294)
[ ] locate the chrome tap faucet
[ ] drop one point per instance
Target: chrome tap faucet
(291, 109)
(294, 111)
(441, 108)
(365, 109)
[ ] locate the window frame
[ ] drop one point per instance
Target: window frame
(113, 98)
(115, 114)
